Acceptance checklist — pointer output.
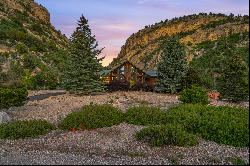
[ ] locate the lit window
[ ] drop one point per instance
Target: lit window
(122, 70)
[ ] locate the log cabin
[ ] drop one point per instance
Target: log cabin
(127, 72)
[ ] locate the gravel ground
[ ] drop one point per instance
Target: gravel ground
(114, 145)
(54, 108)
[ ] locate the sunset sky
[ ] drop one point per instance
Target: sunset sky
(113, 21)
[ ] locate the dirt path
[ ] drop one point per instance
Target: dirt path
(45, 96)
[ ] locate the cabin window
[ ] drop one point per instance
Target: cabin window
(122, 69)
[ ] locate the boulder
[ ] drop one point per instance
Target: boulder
(4, 117)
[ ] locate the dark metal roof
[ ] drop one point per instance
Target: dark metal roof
(104, 72)
(120, 64)
(152, 73)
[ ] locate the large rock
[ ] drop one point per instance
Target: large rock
(4, 117)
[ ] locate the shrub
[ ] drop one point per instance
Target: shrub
(171, 134)
(236, 161)
(28, 80)
(21, 48)
(194, 95)
(224, 125)
(118, 85)
(47, 78)
(24, 129)
(10, 97)
(144, 115)
(93, 116)
(137, 87)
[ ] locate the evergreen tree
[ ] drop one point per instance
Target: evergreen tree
(172, 67)
(191, 78)
(233, 84)
(81, 75)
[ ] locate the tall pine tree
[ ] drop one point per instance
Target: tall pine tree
(172, 67)
(81, 75)
(234, 83)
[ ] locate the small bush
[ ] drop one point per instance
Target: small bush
(93, 116)
(224, 125)
(10, 97)
(236, 161)
(24, 129)
(171, 134)
(144, 115)
(194, 95)
(28, 80)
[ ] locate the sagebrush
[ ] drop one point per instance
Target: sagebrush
(93, 116)
(170, 134)
(24, 129)
(12, 96)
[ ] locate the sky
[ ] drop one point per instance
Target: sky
(113, 21)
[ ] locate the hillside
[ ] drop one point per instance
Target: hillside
(32, 51)
(26, 22)
(206, 37)
(193, 30)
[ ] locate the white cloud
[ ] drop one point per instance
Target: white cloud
(140, 2)
(119, 26)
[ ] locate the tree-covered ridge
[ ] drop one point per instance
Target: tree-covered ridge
(210, 57)
(192, 30)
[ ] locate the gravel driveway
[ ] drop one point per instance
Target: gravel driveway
(113, 145)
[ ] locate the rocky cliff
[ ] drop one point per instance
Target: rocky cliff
(141, 48)
(26, 22)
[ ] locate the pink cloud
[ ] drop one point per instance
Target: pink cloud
(109, 53)
(111, 34)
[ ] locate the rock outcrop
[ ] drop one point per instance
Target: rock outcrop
(4, 117)
(192, 30)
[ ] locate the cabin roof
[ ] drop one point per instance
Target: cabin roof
(151, 73)
(120, 64)
(104, 72)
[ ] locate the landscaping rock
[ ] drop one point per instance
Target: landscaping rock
(4, 117)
